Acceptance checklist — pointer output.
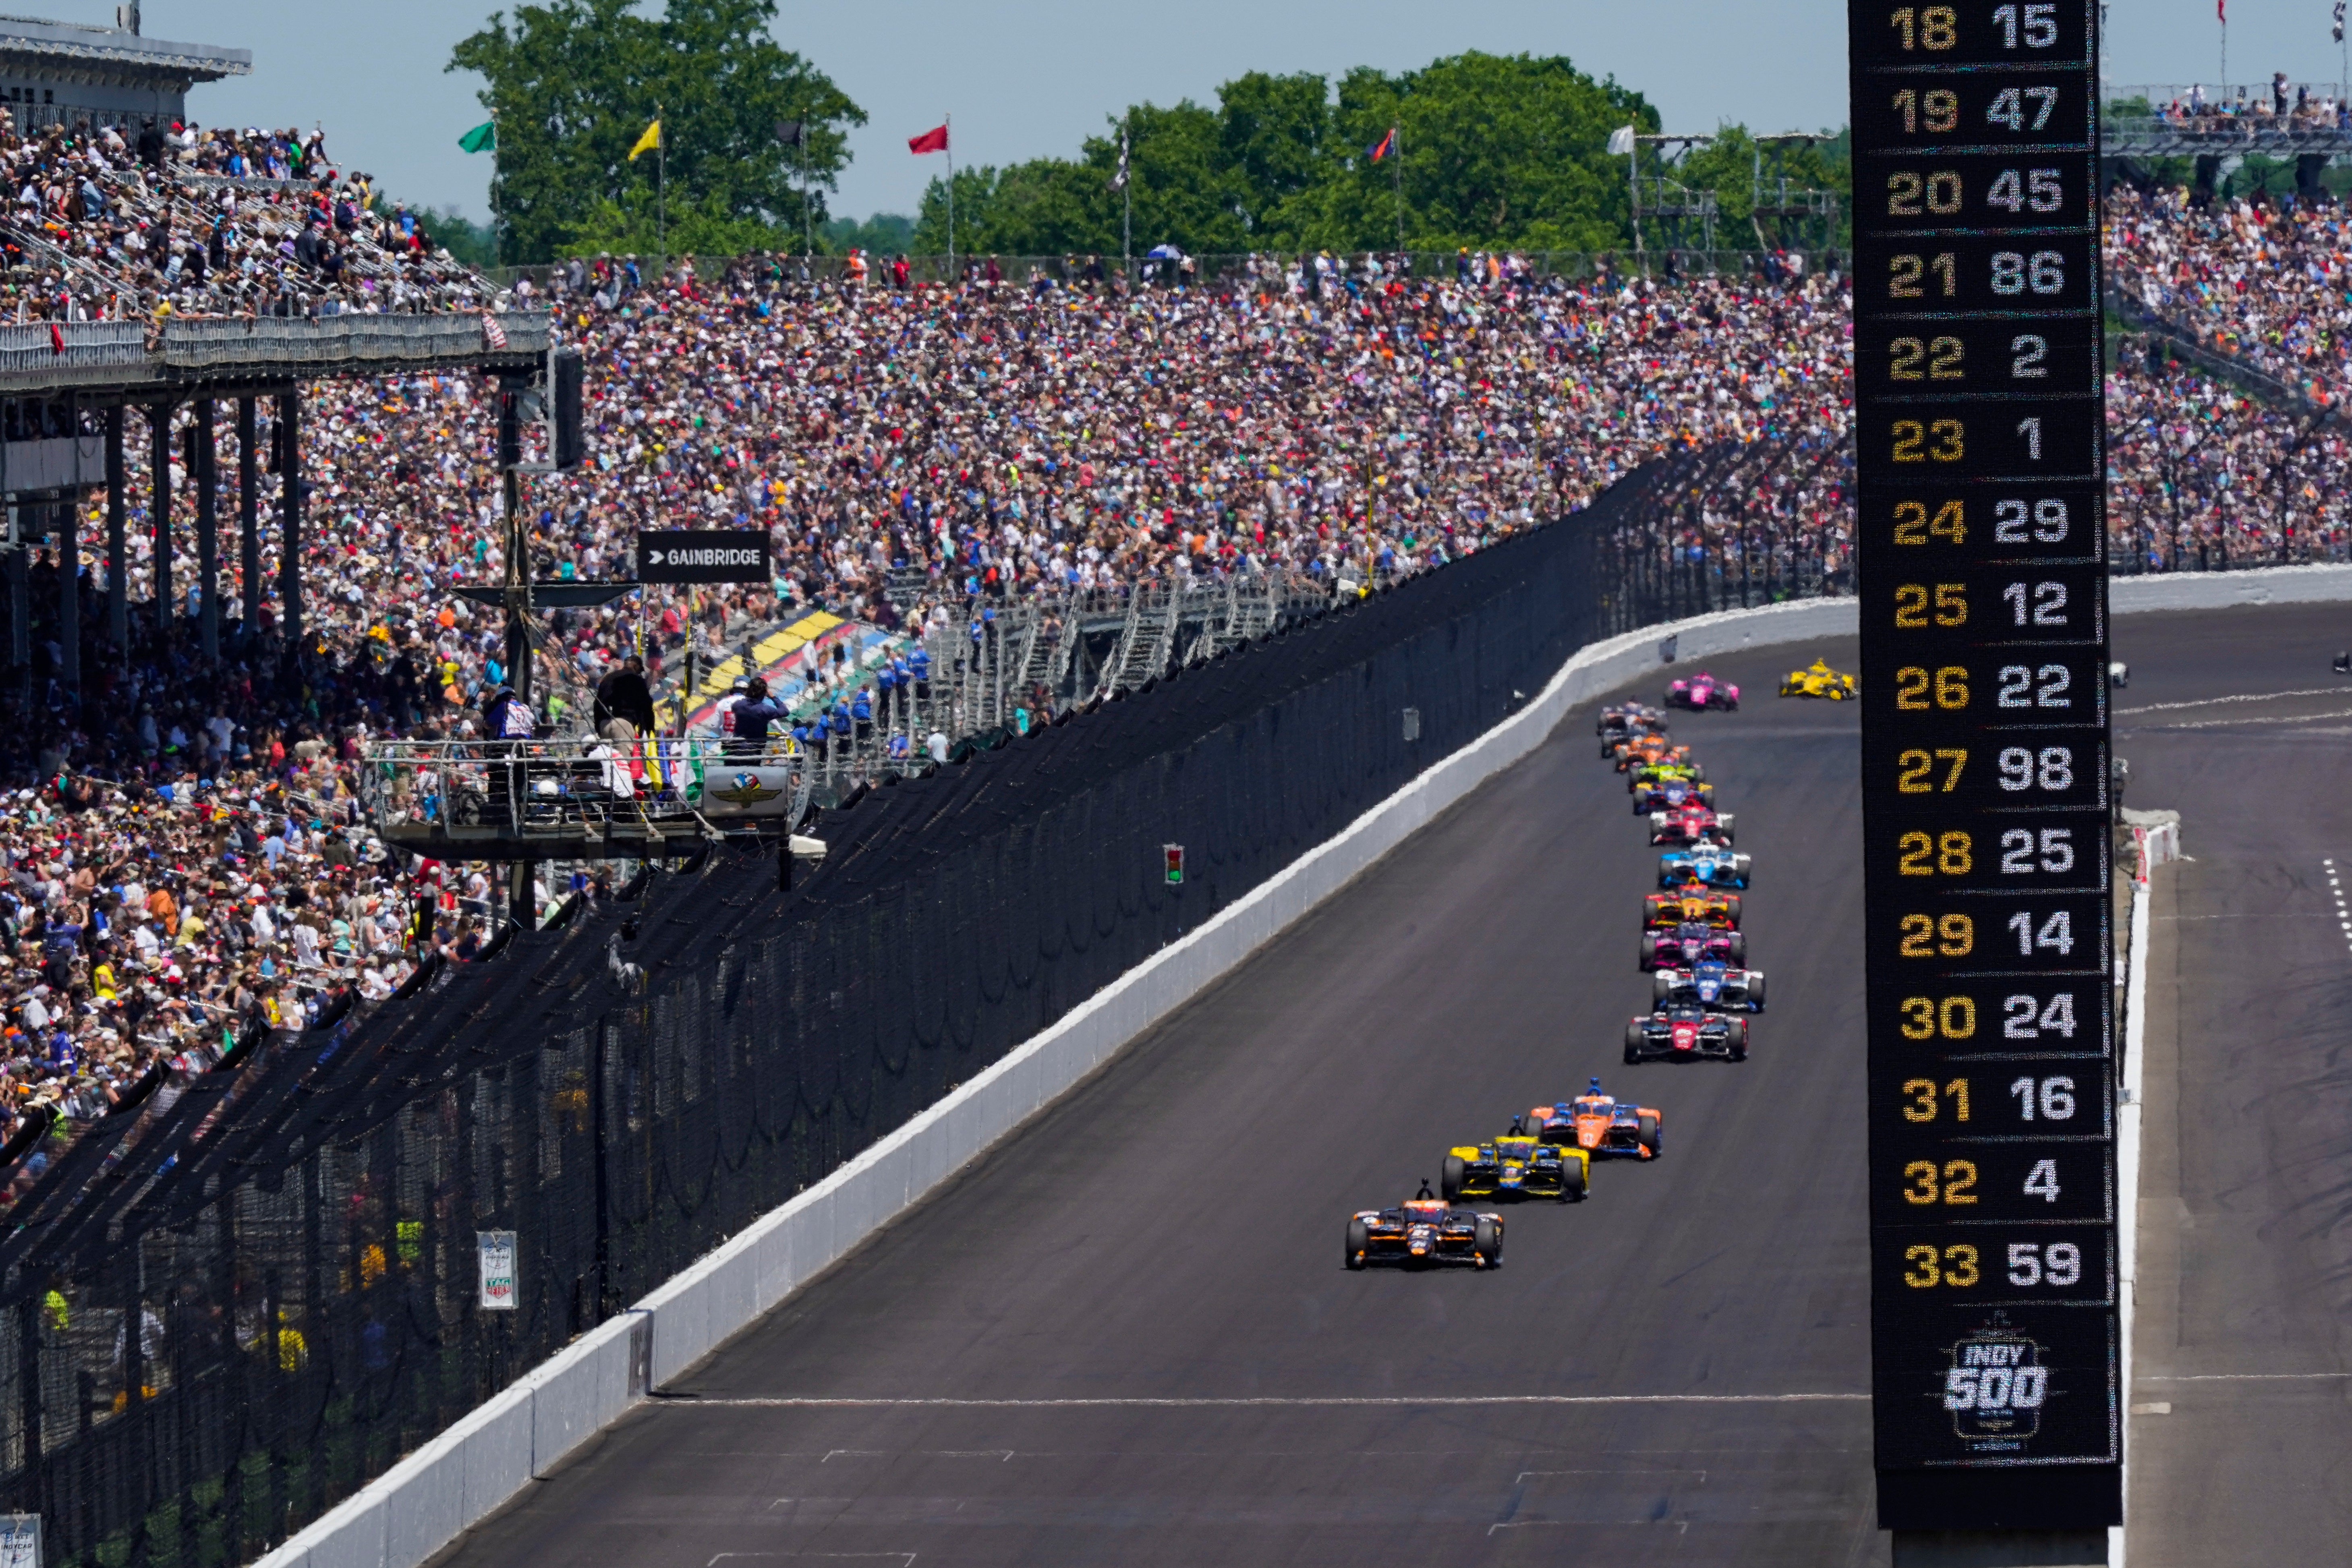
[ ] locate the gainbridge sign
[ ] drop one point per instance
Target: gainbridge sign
(703, 557)
(1983, 578)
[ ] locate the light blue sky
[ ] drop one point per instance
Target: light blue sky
(1027, 78)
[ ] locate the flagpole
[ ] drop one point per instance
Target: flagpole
(661, 186)
(1396, 173)
(1127, 202)
(948, 125)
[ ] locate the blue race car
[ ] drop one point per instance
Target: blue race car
(1708, 865)
(1713, 985)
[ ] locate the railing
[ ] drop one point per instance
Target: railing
(450, 792)
(1263, 269)
(348, 339)
(93, 351)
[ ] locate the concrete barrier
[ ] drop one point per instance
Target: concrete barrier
(2224, 590)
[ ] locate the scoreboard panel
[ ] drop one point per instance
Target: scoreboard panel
(1981, 449)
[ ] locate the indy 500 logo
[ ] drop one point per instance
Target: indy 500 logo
(1994, 1388)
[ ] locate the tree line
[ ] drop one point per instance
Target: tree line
(1475, 150)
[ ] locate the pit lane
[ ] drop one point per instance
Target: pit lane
(1124, 1335)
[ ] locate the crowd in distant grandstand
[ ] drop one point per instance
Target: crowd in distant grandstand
(115, 224)
(185, 854)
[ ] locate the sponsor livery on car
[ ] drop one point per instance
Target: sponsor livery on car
(1637, 750)
(1693, 902)
(1424, 1231)
(1631, 719)
(1517, 1164)
(1692, 943)
(1701, 691)
(1708, 865)
(1686, 1032)
(1670, 794)
(1694, 824)
(1717, 986)
(1818, 679)
(1601, 1125)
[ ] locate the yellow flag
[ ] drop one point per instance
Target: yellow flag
(648, 142)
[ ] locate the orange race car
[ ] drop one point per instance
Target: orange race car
(1694, 902)
(1600, 1125)
(1641, 749)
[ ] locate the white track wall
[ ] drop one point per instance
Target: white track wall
(526, 1430)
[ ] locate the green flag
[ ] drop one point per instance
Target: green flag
(482, 138)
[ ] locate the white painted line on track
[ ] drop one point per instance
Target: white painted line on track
(2216, 701)
(754, 1402)
(2242, 723)
(2253, 1377)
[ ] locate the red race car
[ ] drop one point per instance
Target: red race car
(1686, 1033)
(1691, 825)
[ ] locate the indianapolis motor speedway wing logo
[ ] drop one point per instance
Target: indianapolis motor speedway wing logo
(746, 789)
(1995, 1387)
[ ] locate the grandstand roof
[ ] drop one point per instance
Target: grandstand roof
(114, 54)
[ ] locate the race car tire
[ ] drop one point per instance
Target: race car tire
(1359, 1241)
(1486, 1240)
(1572, 1187)
(1449, 1180)
(1649, 951)
(1737, 940)
(1660, 987)
(1647, 1134)
(1733, 902)
(1756, 990)
(1634, 1040)
(1739, 1039)
(1723, 820)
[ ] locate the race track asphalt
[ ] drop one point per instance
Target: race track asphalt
(2240, 1443)
(1674, 1371)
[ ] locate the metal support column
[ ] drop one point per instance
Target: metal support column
(289, 542)
(118, 562)
(159, 512)
(201, 471)
(67, 529)
(18, 564)
(248, 526)
(518, 590)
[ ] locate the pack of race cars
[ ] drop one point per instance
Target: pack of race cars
(1702, 995)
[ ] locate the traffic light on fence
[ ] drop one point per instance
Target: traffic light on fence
(1174, 856)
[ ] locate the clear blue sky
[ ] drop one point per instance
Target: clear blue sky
(1028, 78)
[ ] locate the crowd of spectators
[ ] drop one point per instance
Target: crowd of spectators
(114, 223)
(2266, 281)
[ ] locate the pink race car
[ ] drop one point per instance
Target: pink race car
(1703, 691)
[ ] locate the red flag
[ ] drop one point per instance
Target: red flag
(2222, 11)
(935, 140)
(56, 339)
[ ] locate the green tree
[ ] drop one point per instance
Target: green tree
(574, 83)
(1496, 151)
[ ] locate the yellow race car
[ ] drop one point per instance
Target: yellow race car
(1818, 679)
(1519, 1163)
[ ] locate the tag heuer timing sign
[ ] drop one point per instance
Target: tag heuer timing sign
(733, 557)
